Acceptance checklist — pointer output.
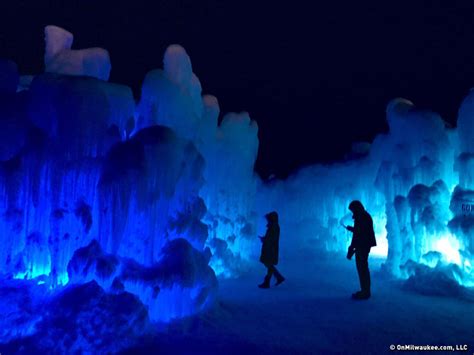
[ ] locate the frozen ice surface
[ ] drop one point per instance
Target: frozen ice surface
(179, 285)
(79, 318)
(59, 58)
(312, 313)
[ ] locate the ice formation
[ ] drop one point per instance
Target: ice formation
(416, 181)
(116, 199)
(59, 58)
(82, 318)
(88, 196)
(178, 285)
(172, 97)
(145, 203)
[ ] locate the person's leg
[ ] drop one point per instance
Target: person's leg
(279, 277)
(268, 276)
(362, 264)
(270, 271)
(360, 267)
(276, 273)
(368, 273)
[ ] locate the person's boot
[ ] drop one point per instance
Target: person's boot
(279, 277)
(361, 295)
(266, 283)
(280, 280)
(365, 293)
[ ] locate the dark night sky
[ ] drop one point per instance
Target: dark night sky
(314, 77)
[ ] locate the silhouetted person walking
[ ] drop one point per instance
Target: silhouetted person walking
(363, 239)
(269, 254)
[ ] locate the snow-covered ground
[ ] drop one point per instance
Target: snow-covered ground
(312, 313)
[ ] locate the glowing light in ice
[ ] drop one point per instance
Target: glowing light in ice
(381, 250)
(449, 246)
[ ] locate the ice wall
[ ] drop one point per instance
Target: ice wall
(416, 181)
(140, 199)
(172, 97)
(405, 178)
(71, 173)
(313, 204)
(230, 193)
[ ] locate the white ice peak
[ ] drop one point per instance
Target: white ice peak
(61, 59)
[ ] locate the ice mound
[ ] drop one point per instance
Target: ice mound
(19, 315)
(180, 284)
(443, 280)
(59, 58)
(82, 318)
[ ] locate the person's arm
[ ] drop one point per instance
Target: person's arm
(350, 252)
(352, 230)
(352, 246)
(355, 235)
(266, 236)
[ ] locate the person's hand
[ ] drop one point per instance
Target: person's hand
(350, 253)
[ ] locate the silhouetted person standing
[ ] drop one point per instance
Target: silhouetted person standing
(269, 254)
(363, 239)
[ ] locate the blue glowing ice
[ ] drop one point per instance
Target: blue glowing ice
(416, 181)
(146, 203)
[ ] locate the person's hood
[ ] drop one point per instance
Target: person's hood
(272, 217)
(356, 207)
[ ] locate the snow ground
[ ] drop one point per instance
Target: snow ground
(312, 313)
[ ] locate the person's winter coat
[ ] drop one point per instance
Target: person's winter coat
(363, 230)
(270, 242)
